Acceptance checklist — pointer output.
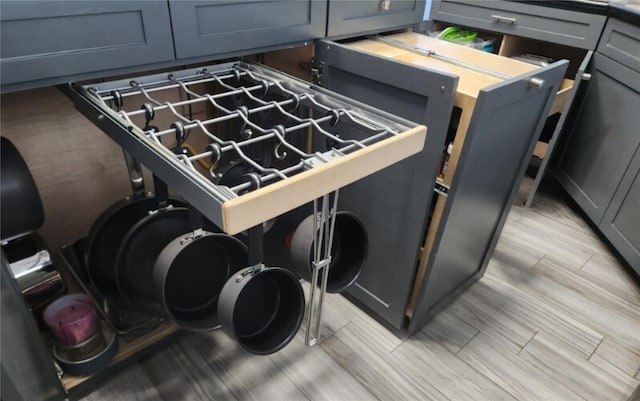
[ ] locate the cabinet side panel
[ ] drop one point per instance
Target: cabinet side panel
(394, 202)
(506, 123)
(26, 363)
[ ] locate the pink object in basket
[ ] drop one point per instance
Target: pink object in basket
(72, 319)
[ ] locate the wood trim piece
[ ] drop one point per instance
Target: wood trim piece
(255, 207)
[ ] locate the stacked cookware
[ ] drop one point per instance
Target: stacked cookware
(159, 256)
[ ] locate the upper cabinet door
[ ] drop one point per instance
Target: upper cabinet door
(202, 28)
(52, 41)
(348, 17)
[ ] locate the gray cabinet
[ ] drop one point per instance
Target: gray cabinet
(621, 221)
(203, 28)
(48, 42)
(554, 25)
(394, 204)
(348, 17)
(604, 138)
(599, 163)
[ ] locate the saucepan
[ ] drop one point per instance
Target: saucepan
(262, 308)
(348, 251)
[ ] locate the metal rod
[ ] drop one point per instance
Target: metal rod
(430, 53)
(323, 230)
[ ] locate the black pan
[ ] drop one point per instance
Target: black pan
(189, 274)
(262, 308)
(142, 244)
(110, 228)
(348, 251)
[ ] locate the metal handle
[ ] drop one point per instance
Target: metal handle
(385, 5)
(586, 76)
(536, 83)
(135, 174)
(507, 20)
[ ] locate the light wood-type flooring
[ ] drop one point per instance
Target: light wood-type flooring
(556, 317)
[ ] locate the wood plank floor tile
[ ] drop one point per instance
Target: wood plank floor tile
(450, 330)
(318, 375)
(425, 361)
(376, 368)
(514, 253)
(378, 333)
(492, 321)
(596, 293)
(521, 379)
(131, 384)
(615, 358)
(524, 234)
(553, 355)
(607, 273)
(181, 372)
(599, 317)
(534, 313)
(247, 376)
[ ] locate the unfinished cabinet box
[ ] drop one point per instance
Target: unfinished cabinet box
(47, 42)
(423, 253)
(522, 29)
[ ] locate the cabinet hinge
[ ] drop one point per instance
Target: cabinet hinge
(441, 189)
(315, 70)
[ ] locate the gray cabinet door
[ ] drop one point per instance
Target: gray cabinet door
(504, 128)
(394, 202)
(621, 222)
(53, 41)
(202, 28)
(348, 17)
(604, 138)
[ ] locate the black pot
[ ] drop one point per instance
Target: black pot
(262, 308)
(189, 274)
(348, 251)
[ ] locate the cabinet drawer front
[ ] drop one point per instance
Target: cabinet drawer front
(365, 16)
(542, 23)
(621, 42)
(203, 28)
(50, 39)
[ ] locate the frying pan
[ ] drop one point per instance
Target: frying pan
(262, 308)
(189, 273)
(348, 252)
(20, 201)
(111, 226)
(140, 246)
